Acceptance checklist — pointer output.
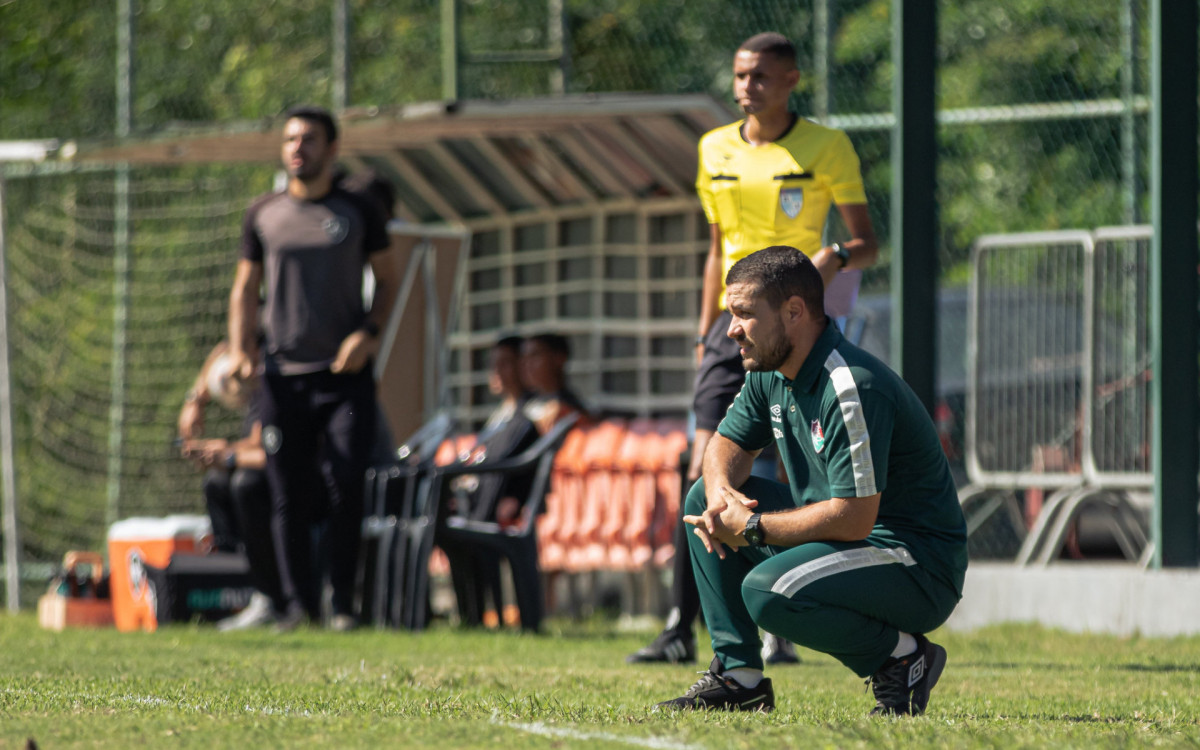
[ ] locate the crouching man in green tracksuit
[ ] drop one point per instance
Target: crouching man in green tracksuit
(865, 550)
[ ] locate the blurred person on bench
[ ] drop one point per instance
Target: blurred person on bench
(236, 495)
(530, 377)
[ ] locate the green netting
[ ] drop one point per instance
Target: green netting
(1043, 126)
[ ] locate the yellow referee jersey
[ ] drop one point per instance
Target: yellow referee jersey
(777, 193)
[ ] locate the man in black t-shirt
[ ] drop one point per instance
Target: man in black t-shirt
(307, 247)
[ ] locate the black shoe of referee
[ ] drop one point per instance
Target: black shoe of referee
(667, 647)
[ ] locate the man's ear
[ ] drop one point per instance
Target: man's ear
(794, 309)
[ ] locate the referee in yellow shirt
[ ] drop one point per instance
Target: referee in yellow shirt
(768, 179)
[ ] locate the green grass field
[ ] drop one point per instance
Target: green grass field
(189, 686)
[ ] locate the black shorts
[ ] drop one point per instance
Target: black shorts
(719, 377)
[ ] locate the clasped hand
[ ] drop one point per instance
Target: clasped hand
(722, 523)
(205, 454)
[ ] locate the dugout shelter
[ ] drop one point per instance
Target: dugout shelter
(571, 214)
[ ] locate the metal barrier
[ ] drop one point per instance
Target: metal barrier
(1116, 418)
(1117, 434)
(1058, 392)
(1028, 346)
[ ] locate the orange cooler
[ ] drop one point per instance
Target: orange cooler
(137, 543)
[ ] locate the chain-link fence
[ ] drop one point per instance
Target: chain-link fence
(1042, 125)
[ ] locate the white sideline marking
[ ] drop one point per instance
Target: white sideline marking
(542, 729)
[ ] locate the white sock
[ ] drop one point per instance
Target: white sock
(905, 645)
(744, 676)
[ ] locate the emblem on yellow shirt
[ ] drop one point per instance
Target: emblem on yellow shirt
(791, 200)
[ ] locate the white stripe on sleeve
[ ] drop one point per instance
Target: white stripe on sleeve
(856, 424)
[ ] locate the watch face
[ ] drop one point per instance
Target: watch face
(752, 534)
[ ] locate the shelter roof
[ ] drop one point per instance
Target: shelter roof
(473, 159)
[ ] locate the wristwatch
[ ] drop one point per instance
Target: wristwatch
(753, 534)
(842, 253)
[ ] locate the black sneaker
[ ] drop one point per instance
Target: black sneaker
(902, 685)
(668, 647)
(292, 618)
(713, 690)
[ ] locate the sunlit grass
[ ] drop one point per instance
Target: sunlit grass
(189, 686)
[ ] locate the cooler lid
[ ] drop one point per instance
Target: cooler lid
(171, 527)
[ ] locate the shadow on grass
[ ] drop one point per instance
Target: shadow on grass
(1163, 668)
(1060, 667)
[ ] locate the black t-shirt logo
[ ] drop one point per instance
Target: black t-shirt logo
(272, 439)
(336, 228)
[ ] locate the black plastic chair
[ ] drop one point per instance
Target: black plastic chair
(517, 544)
(390, 492)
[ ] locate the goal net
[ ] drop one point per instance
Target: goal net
(117, 286)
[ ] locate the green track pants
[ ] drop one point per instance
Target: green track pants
(846, 599)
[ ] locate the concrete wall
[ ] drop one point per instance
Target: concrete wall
(1097, 598)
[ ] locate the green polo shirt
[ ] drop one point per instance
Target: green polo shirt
(859, 429)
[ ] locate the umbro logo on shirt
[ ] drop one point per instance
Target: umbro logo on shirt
(776, 413)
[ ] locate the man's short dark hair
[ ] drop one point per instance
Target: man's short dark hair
(554, 342)
(512, 343)
(319, 115)
(779, 273)
(771, 43)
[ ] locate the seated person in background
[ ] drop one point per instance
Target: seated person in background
(506, 433)
(534, 397)
(235, 483)
(543, 371)
(504, 380)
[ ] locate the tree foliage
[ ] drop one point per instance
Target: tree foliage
(220, 60)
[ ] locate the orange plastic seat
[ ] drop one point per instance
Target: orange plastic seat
(564, 501)
(587, 550)
(669, 489)
(630, 545)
